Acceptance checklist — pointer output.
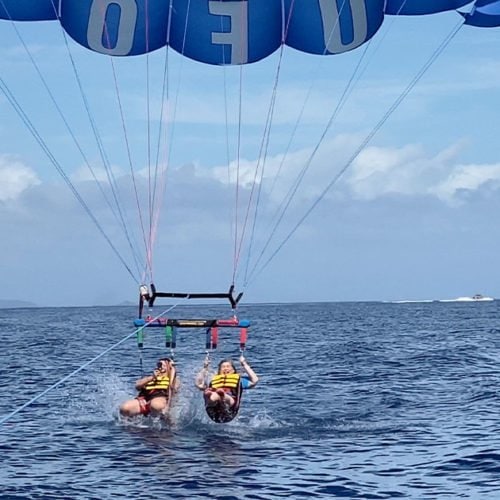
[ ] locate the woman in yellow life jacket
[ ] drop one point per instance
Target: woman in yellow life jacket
(223, 393)
(155, 391)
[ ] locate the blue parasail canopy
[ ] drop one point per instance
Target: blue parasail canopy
(485, 14)
(231, 31)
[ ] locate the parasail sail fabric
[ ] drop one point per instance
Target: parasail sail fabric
(486, 14)
(419, 7)
(28, 10)
(231, 31)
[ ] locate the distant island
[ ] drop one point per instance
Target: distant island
(18, 304)
(10, 304)
(127, 303)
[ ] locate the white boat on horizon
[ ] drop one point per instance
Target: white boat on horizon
(475, 298)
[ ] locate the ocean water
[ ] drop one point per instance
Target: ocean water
(355, 400)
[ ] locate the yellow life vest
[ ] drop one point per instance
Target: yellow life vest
(229, 381)
(162, 382)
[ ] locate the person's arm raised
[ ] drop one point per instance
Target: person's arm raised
(248, 369)
(201, 378)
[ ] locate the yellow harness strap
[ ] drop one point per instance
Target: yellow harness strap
(229, 381)
(162, 382)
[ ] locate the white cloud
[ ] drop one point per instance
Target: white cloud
(320, 167)
(198, 208)
(15, 177)
(378, 171)
(411, 171)
(467, 177)
(84, 174)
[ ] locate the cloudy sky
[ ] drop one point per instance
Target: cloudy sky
(410, 213)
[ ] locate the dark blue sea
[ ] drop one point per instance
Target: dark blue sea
(355, 400)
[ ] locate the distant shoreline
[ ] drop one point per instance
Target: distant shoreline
(13, 304)
(22, 304)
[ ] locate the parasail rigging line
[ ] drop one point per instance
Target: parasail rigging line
(304, 104)
(148, 124)
(237, 240)
(129, 156)
(262, 156)
(267, 135)
(59, 110)
(366, 141)
(237, 180)
(232, 217)
(107, 166)
(306, 99)
(301, 113)
(165, 94)
(287, 199)
(34, 132)
(152, 177)
(261, 162)
(355, 77)
(82, 367)
(145, 234)
(150, 186)
(117, 212)
(159, 194)
(100, 146)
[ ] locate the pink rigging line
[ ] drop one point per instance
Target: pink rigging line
(264, 142)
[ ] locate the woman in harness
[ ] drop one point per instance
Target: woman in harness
(223, 394)
(155, 391)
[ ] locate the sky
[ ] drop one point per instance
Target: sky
(410, 214)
